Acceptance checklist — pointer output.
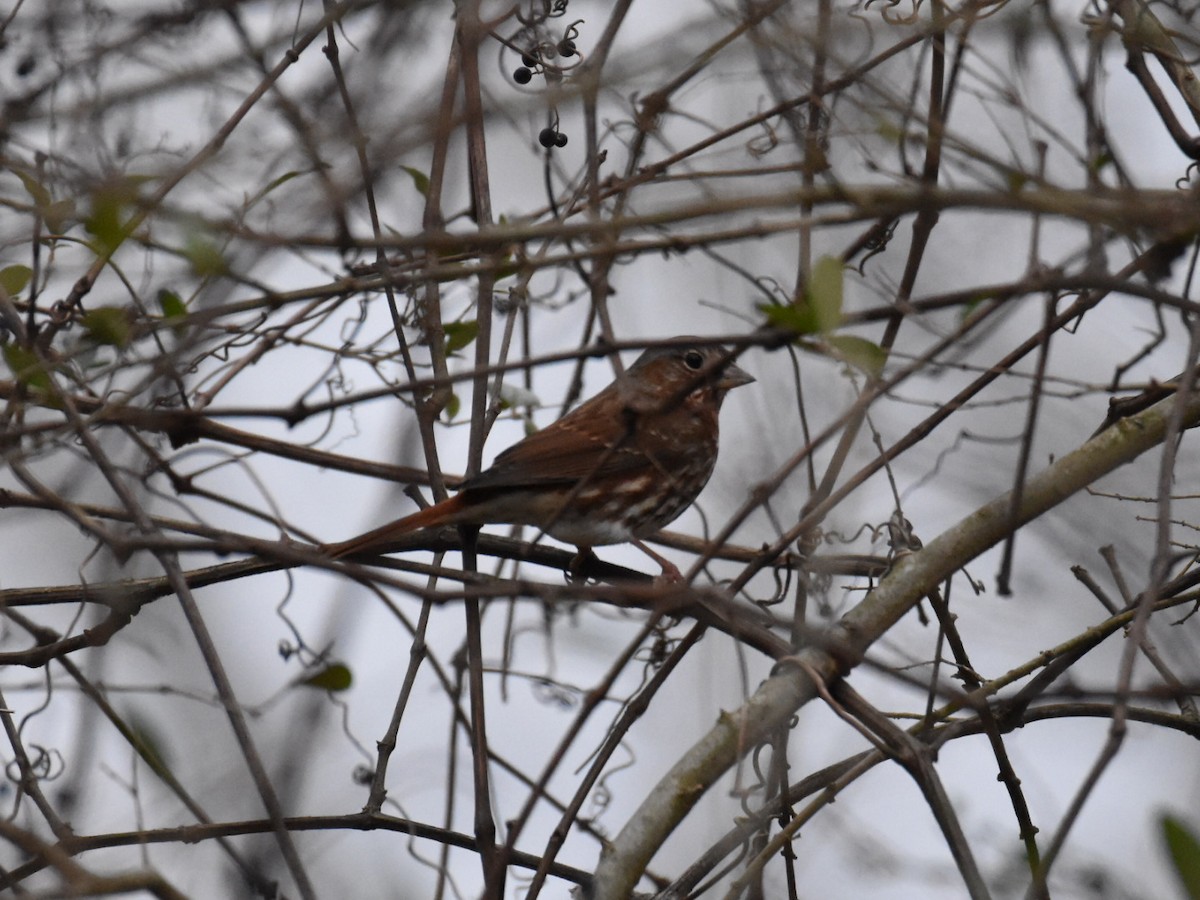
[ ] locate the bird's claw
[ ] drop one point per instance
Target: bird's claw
(669, 576)
(576, 572)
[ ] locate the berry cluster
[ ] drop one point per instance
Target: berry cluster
(532, 60)
(547, 56)
(549, 137)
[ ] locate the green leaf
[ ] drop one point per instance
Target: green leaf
(453, 405)
(111, 204)
(820, 310)
(420, 180)
(271, 185)
(14, 279)
(825, 293)
(460, 335)
(1103, 161)
(27, 367)
(112, 325)
(34, 188)
(890, 131)
(205, 256)
(866, 356)
(174, 310)
(507, 267)
(172, 305)
(334, 677)
(790, 318)
(104, 222)
(58, 215)
(148, 743)
(111, 208)
(55, 213)
(1184, 849)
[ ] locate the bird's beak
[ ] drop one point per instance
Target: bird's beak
(732, 376)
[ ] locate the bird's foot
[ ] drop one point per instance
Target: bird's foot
(670, 571)
(577, 568)
(669, 576)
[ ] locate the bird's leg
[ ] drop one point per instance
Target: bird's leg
(579, 563)
(670, 572)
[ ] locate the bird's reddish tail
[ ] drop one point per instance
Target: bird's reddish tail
(448, 512)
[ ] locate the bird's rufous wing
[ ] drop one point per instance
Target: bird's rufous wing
(590, 442)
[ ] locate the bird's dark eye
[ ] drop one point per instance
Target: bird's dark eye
(693, 359)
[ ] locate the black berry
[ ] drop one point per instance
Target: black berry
(560, 140)
(528, 60)
(522, 75)
(548, 137)
(566, 47)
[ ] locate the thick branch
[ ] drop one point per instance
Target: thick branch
(777, 699)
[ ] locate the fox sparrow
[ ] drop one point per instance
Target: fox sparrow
(616, 469)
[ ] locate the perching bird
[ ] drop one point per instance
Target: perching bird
(616, 469)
